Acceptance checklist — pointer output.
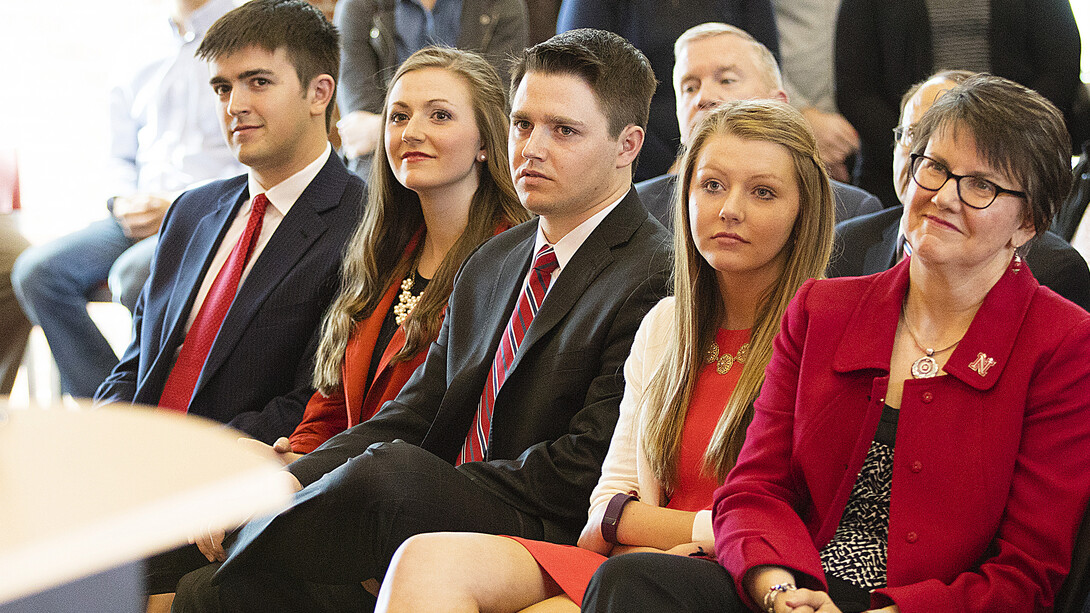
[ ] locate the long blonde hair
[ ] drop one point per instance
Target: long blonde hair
(699, 309)
(376, 255)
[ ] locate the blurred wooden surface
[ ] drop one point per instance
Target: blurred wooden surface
(83, 491)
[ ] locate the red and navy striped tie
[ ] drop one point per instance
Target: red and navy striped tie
(476, 445)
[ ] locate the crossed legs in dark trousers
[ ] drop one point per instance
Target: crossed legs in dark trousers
(343, 529)
(636, 582)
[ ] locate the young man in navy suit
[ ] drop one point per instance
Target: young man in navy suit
(245, 267)
(505, 426)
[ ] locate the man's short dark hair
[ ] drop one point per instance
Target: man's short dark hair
(619, 75)
(311, 42)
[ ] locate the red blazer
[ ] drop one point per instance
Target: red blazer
(992, 462)
(354, 401)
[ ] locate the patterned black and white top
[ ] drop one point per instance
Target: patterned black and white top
(857, 552)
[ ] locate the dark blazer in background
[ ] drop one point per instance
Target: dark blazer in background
(868, 244)
(883, 48)
(658, 196)
(1073, 209)
(266, 345)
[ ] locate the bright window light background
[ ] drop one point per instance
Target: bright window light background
(60, 59)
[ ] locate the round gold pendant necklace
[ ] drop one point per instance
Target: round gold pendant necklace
(724, 362)
(925, 366)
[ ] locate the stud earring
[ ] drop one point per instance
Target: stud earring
(481, 157)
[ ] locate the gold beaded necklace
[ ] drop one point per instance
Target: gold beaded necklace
(724, 362)
(406, 301)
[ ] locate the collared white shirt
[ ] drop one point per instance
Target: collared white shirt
(566, 247)
(282, 197)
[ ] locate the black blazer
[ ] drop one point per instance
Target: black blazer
(555, 414)
(866, 245)
(266, 344)
(1071, 212)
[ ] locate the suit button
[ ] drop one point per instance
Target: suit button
(485, 20)
(928, 397)
(375, 33)
(917, 466)
(911, 537)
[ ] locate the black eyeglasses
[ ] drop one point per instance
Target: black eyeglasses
(975, 192)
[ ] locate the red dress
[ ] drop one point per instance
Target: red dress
(572, 567)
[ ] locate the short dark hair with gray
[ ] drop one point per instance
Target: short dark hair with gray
(293, 25)
(1017, 131)
(618, 73)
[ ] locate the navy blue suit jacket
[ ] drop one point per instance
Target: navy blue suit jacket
(266, 344)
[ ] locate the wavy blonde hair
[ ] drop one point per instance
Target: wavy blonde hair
(376, 256)
(699, 306)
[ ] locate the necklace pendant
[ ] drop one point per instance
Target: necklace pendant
(723, 364)
(924, 367)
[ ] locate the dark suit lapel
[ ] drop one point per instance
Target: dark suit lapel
(589, 260)
(504, 296)
(194, 263)
(299, 229)
(880, 255)
(475, 33)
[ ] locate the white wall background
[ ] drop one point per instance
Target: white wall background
(59, 59)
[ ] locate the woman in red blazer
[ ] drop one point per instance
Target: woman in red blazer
(444, 189)
(958, 360)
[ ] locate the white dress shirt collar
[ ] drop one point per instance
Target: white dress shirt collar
(284, 194)
(566, 247)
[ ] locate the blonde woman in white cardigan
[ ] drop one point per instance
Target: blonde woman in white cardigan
(753, 221)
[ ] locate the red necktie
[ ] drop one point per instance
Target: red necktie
(476, 446)
(178, 390)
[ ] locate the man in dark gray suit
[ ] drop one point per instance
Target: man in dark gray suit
(715, 63)
(579, 106)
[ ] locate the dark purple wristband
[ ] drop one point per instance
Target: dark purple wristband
(613, 515)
